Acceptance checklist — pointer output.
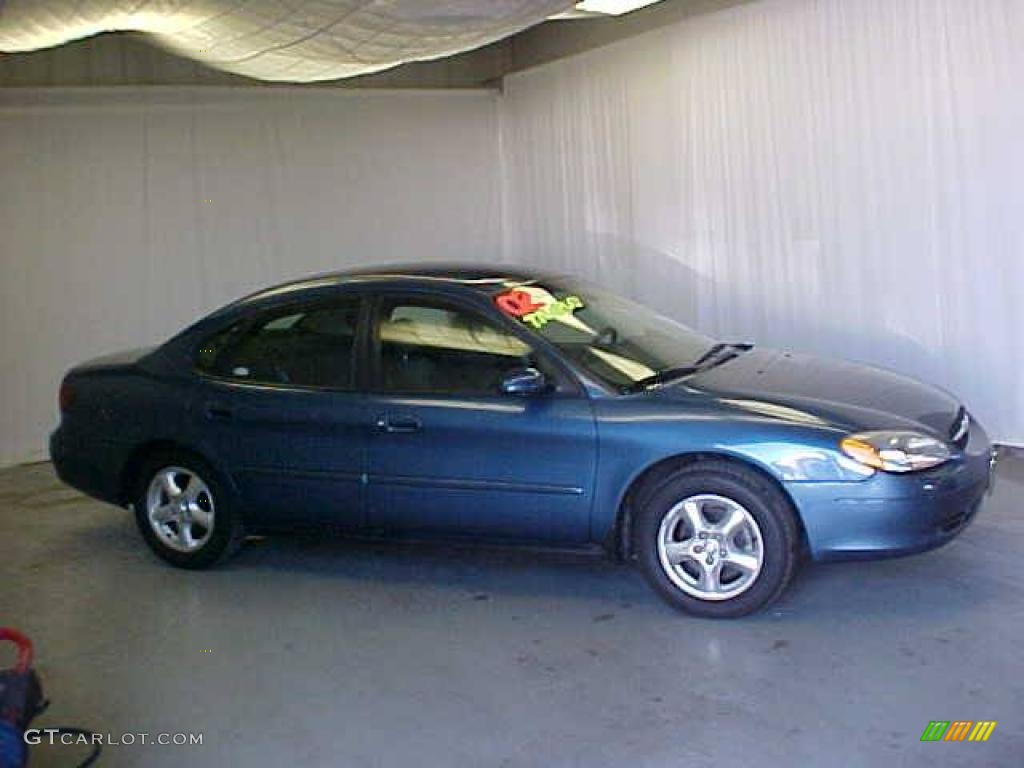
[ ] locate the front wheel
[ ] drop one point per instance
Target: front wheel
(717, 540)
(185, 512)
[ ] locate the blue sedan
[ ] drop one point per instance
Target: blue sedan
(506, 405)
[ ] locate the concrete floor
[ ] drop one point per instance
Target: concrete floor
(307, 652)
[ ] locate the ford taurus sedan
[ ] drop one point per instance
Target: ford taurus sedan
(505, 405)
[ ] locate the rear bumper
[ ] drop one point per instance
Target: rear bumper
(890, 515)
(90, 466)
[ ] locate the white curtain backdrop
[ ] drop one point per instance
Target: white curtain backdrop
(844, 177)
(127, 213)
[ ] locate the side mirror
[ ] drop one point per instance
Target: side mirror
(524, 382)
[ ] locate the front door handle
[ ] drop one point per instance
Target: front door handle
(398, 424)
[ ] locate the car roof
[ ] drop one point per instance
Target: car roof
(480, 277)
(483, 275)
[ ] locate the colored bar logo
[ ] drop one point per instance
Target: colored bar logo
(958, 730)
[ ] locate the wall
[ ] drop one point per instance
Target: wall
(127, 213)
(838, 177)
(566, 37)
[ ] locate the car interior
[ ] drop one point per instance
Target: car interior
(423, 349)
(311, 349)
(438, 349)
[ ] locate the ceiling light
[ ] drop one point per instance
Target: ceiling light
(612, 7)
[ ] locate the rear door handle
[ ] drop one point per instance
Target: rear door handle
(218, 412)
(398, 424)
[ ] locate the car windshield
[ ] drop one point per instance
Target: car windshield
(622, 344)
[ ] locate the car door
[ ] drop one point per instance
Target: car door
(279, 402)
(449, 453)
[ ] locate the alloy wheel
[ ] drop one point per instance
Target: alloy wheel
(180, 509)
(710, 547)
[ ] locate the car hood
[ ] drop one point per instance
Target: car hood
(814, 390)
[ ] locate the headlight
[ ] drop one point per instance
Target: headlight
(896, 451)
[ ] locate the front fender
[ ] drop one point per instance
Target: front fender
(635, 436)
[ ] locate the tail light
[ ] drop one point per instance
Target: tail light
(66, 397)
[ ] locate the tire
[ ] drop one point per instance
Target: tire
(716, 515)
(212, 529)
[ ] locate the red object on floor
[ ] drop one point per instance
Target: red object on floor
(24, 648)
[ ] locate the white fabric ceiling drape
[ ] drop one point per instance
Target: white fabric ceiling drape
(845, 178)
(278, 39)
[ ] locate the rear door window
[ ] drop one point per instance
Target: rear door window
(310, 346)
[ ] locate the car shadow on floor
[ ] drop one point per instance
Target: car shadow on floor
(948, 583)
(436, 563)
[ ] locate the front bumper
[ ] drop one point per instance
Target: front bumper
(889, 514)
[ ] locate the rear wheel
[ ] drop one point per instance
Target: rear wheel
(185, 512)
(717, 540)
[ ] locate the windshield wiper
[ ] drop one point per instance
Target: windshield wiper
(714, 350)
(662, 377)
(710, 359)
